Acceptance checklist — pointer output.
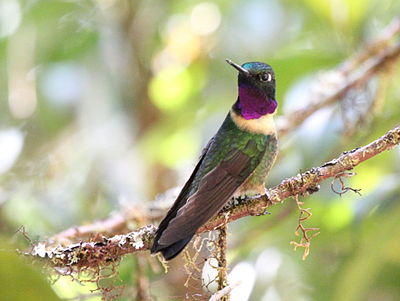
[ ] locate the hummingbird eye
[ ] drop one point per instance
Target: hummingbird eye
(265, 77)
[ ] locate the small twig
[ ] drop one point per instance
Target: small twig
(221, 257)
(343, 187)
(21, 230)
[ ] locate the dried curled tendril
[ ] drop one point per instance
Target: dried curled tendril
(305, 232)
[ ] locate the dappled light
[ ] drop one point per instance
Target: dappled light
(106, 106)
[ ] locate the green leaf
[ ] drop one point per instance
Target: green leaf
(20, 281)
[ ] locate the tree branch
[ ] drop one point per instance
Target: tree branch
(108, 250)
(117, 223)
(307, 182)
(355, 71)
(373, 48)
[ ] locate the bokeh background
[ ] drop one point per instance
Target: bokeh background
(107, 103)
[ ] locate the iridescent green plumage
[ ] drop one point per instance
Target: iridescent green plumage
(261, 150)
(236, 161)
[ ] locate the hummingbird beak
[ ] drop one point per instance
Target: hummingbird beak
(238, 67)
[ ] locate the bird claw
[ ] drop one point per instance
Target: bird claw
(264, 212)
(266, 193)
(242, 198)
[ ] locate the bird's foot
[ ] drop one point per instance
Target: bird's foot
(266, 195)
(235, 201)
(241, 199)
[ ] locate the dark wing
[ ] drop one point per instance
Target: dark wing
(214, 190)
(179, 202)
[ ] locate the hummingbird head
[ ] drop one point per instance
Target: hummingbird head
(256, 83)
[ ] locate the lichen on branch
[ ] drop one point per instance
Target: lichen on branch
(93, 254)
(106, 250)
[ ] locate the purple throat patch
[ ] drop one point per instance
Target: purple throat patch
(254, 104)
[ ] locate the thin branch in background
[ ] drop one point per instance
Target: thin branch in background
(372, 109)
(365, 103)
(380, 96)
(371, 49)
(355, 72)
(96, 254)
(116, 223)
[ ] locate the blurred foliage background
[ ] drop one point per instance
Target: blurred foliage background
(107, 103)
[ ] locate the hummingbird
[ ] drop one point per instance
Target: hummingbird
(235, 162)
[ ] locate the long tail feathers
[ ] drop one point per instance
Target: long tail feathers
(171, 251)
